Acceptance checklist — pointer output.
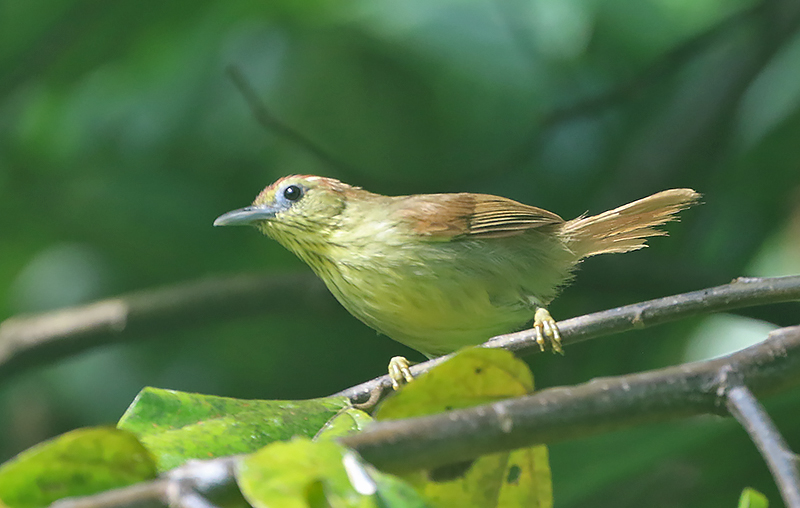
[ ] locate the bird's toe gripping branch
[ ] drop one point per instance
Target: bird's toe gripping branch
(547, 331)
(399, 371)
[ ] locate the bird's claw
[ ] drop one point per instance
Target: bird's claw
(399, 371)
(547, 331)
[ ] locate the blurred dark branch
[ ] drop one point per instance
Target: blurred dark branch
(27, 341)
(739, 293)
(776, 452)
(551, 415)
(654, 74)
(697, 128)
(667, 63)
(779, 14)
(271, 124)
(697, 120)
(562, 413)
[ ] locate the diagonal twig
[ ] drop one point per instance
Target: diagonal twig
(742, 292)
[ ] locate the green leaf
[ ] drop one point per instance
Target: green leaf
(348, 421)
(78, 463)
(302, 473)
(477, 376)
(752, 498)
(176, 426)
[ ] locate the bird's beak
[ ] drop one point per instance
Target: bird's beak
(247, 215)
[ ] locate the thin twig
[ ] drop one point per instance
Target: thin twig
(656, 72)
(776, 452)
(739, 293)
(601, 405)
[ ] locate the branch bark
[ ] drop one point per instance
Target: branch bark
(742, 292)
(601, 405)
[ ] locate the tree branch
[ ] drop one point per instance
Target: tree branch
(600, 405)
(26, 341)
(776, 452)
(742, 292)
(548, 416)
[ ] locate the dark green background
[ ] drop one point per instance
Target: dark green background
(122, 138)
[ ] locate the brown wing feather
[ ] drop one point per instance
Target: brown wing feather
(450, 216)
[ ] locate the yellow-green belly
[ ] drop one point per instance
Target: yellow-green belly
(429, 319)
(443, 297)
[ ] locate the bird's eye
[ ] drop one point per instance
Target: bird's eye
(293, 192)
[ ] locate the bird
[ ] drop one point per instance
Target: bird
(438, 272)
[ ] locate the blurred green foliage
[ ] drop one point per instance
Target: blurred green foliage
(122, 138)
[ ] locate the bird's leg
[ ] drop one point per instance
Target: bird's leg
(547, 331)
(399, 371)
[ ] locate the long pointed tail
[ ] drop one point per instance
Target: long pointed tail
(625, 228)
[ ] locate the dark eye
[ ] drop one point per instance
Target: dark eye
(293, 192)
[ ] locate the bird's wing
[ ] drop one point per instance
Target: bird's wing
(452, 216)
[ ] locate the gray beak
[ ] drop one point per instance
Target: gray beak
(245, 216)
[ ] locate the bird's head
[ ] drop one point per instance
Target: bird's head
(294, 209)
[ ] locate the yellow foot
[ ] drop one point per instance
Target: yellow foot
(399, 371)
(547, 331)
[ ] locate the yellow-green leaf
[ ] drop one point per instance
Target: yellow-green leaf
(474, 376)
(752, 498)
(477, 376)
(526, 479)
(78, 463)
